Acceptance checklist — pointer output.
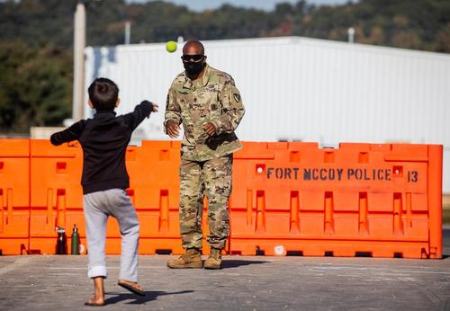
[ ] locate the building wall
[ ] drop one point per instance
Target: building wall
(301, 89)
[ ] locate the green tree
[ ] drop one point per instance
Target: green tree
(35, 86)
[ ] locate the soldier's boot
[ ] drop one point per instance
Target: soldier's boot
(190, 259)
(214, 260)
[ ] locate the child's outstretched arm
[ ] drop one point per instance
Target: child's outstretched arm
(69, 134)
(142, 111)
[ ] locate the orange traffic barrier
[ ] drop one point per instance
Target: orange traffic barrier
(380, 200)
(154, 187)
(360, 199)
(56, 194)
(153, 170)
(14, 196)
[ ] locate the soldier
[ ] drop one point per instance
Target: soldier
(208, 104)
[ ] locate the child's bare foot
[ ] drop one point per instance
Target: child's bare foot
(133, 287)
(95, 301)
(98, 298)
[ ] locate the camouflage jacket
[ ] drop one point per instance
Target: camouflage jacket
(212, 98)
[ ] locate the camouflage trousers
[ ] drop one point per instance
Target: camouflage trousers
(197, 179)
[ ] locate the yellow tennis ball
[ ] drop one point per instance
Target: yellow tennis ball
(171, 46)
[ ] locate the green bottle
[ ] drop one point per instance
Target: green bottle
(75, 250)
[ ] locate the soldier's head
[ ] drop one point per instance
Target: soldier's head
(103, 95)
(194, 58)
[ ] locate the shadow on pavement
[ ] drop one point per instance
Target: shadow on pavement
(238, 263)
(149, 296)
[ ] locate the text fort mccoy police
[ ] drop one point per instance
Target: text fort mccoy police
(339, 174)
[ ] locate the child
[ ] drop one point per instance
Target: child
(104, 140)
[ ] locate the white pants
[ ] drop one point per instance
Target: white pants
(97, 207)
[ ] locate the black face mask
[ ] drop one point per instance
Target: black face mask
(193, 68)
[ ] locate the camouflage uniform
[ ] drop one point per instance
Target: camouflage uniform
(206, 162)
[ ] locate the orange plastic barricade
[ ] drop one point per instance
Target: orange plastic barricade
(380, 200)
(154, 188)
(358, 200)
(14, 196)
(153, 171)
(56, 194)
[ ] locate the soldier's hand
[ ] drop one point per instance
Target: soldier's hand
(172, 129)
(210, 128)
(154, 107)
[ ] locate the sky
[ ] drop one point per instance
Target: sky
(199, 5)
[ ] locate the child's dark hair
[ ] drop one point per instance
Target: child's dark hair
(103, 94)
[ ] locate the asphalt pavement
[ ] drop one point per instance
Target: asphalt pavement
(245, 283)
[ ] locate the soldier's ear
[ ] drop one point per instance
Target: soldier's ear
(117, 102)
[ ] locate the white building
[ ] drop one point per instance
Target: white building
(301, 89)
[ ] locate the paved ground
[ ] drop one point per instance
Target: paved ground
(246, 283)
